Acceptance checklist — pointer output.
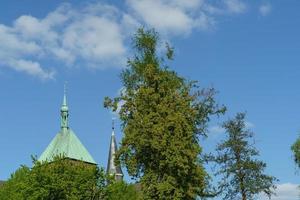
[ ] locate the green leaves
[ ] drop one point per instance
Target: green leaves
(163, 115)
(12, 189)
(296, 150)
(60, 179)
(65, 179)
(121, 191)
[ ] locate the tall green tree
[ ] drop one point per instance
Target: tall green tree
(242, 174)
(163, 116)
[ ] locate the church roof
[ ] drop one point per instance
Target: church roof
(66, 143)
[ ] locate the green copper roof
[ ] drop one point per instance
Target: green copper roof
(66, 142)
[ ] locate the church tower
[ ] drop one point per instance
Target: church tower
(112, 169)
(66, 143)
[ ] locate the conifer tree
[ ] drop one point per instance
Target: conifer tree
(162, 117)
(242, 174)
(296, 151)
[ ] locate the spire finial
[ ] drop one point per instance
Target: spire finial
(64, 111)
(65, 95)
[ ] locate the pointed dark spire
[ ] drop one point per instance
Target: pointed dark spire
(64, 112)
(112, 169)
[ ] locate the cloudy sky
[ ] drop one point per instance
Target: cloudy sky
(248, 50)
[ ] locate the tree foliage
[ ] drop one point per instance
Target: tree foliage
(242, 174)
(296, 151)
(163, 116)
(12, 189)
(62, 179)
(120, 190)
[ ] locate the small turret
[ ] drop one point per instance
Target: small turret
(112, 169)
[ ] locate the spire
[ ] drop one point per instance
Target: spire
(66, 142)
(65, 95)
(64, 112)
(112, 169)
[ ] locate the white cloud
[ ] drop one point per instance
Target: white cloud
(235, 6)
(13, 49)
(216, 130)
(249, 125)
(181, 17)
(285, 191)
(166, 16)
(91, 36)
(95, 40)
(265, 9)
(31, 68)
(191, 4)
(96, 34)
(130, 24)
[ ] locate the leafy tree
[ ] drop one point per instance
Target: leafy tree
(11, 189)
(242, 173)
(121, 191)
(163, 116)
(61, 179)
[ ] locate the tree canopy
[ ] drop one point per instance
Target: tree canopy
(65, 179)
(60, 179)
(162, 115)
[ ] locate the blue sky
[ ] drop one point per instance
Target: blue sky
(247, 50)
